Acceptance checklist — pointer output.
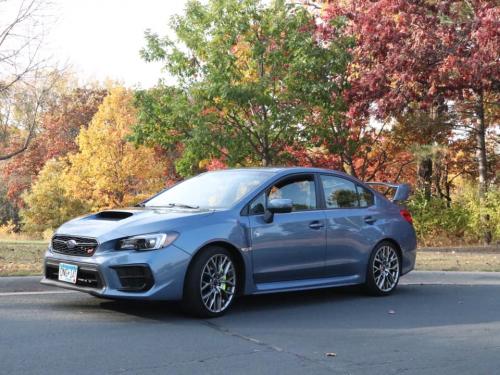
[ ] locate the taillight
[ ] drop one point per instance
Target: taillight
(406, 215)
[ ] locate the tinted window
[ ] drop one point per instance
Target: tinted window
(258, 205)
(339, 192)
(301, 191)
(365, 197)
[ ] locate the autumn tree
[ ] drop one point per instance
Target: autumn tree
(48, 203)
(70, 109)
(247, 73)
(107, 171)
(424, 54)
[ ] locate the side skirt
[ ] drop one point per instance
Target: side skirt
(295, 285)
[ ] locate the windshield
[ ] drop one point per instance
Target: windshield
(212, 190)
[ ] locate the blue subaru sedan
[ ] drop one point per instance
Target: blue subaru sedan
(235, 232)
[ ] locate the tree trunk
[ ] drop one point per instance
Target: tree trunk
(266, 158)
(425, 175)
(482, 165)
(481, 147)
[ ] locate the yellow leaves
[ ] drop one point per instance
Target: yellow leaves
(108, 171)
(48, 202)
(354, 71)
(242, 51)
(203, 163)
(393, 84)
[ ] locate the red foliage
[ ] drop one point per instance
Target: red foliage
(318, 157)
(418, 51)
(215, 164)
(60, 126)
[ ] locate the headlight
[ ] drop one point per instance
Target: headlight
(147, 241)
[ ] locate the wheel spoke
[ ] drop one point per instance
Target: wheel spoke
(207, 296)
(212, 301)
(390, 277)
(227, 292)
(219, 301)
(381, 281)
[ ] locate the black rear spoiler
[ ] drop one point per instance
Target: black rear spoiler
(402, 190)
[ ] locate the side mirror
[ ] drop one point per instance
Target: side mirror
(277, 206)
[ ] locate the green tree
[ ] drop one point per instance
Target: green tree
(247, 75)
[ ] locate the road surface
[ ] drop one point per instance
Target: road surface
(435, 323)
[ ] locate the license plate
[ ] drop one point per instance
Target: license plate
(67, 273)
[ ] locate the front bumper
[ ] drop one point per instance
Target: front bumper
(149, 275)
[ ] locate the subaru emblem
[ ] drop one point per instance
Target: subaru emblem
(71, 244)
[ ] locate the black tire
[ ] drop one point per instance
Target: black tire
(383, 278)
(220, 287)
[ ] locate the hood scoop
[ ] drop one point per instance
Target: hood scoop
(111, 215)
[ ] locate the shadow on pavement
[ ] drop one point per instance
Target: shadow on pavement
(410, 306)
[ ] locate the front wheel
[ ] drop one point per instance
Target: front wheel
(210, 284)
(383, 269)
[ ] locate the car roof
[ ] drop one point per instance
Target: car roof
(287, 170)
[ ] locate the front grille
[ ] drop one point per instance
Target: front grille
(86, 277)
(135, 278)
(71, 245)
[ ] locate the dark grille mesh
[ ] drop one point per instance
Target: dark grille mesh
(82, 246)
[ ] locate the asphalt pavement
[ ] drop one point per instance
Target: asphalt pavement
(435, 323)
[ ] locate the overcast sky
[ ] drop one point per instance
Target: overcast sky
(101, 39)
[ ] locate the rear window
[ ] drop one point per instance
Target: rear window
(339, 192)
(365, 197)
(343, 193)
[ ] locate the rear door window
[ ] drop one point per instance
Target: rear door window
(339, 192)
(365, 197)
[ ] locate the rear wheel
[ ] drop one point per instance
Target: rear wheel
(210, 284)
(383, 269)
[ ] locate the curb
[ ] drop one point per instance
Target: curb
(450, 278)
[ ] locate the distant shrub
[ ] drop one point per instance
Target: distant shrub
(463, 222)
(47, 234)
(435, 222)
(7, 229)
(489, 208)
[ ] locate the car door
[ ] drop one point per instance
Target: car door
(292, 246)
(351, 230)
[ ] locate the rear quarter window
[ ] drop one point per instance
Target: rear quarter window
(366, 198)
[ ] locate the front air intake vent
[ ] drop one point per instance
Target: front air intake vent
(112, 215)
(135, 278)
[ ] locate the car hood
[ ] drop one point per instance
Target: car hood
(119, 223)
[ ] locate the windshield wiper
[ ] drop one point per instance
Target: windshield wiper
(181, 205)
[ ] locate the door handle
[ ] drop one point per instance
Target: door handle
(316, 225)
(369, 219)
